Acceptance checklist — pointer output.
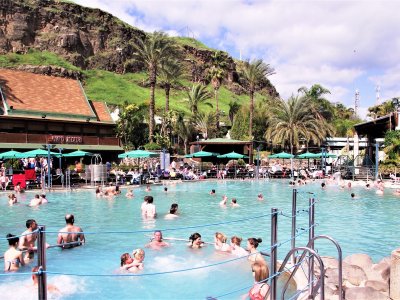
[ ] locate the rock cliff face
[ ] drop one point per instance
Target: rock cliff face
(88, 38)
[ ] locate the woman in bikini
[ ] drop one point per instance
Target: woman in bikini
(13, 257)
(255, 256)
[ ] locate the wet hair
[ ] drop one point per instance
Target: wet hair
(254, 241)
(234, 200)
(29, 223)
(352, 195)
(367, 185)
(43, 195)
(124, 257)
(98, 190)
(173, 209)
(138, 252)
(12, 239)
(148, 199)
(323, 184)
(37, 196)
(213, 191)
(165, 189)
(261, 272)
(69, 219)
(194, 237)
(221, 237)
(236, 240)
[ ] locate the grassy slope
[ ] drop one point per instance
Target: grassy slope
(115, 89)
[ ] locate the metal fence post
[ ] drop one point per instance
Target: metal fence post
(41, 249)
(274, 250)
(294, 210)
(311, 233)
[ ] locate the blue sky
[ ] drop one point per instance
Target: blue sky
(343, 45)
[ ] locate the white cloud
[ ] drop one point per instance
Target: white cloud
(339, 44)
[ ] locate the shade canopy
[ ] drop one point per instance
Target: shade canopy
(9, 154)
(78, 153)
(307, 155)
(281, 155)
(233, 155)
(325, 154)
(138, 154)
(202, 154)
(37, 152)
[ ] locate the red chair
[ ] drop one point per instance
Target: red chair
(19, 178)
(30, 175)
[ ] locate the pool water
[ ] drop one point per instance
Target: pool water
(367, 224)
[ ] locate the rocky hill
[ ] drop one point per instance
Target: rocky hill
(90, 38)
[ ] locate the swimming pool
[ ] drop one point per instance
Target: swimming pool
(367, 224)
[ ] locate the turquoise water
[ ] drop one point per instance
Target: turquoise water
(368, 224)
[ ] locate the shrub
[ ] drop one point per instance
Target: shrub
(152, 146)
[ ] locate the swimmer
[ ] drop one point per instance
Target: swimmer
(212, 192)
(157, 241)
(323, 185)
(143, 206)
(260, 197)
(129, 194)
(223, 202)
(126, 263)
(234, 203)
(138, 258)
(235, 246)
(165, 189)
(195, 241)
(35, 201)
(349, 185)
(255, 256)
(379, 191)
(50, 287)
(220, 242)
(17, 188)
(148, 189)
(117, 191)
(71, 235)
(260, 288)
(367, 186)
(99, 192)
(352, 195)
(28, 239)
(43, 199)
(397, 192)
(172, 212)
(12, 199)
(149, 208)
(13, 257)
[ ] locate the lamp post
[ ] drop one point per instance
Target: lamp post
(396, 104)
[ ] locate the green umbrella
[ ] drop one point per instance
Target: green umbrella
(307, 155)
(9, 154)
(78, 153)
(283, 155)
(37, 152)
(138, 154)
(203, 154)
(232, 155)
(325, 154)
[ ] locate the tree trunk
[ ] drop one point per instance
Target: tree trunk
(216, 103)
(251, 115)
(167, 89)
(153, 80)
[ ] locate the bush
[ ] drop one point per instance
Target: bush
(152, 146)
(241, 162)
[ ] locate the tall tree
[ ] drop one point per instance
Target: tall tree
(292, 120)
(152, 51)
(198, 94)
(316, 95)
(170, 73)
(233, 109)
(205, 123)
(253, 74)
(216, 74)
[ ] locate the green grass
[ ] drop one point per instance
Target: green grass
(115, 88)
(191, 42)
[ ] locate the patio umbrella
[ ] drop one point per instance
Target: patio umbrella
(233, 155)
(78, 153)
(204, 154)
(37, 152)
(9, 154)
(307, 155)
(283, 155)
(326, 154)
(138, 154)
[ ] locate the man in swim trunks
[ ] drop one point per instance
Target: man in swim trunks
(28, 239)
(70, 236)
(157, 241)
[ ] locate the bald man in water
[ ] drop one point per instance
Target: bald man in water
(71, 235)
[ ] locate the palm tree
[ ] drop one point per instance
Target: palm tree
(205, 123)
(293, 120)
(153, 50)
(233, 109)
(322, 105)
(253, 74)
(185, 131)
(217, 73)
(170, 72)
(198, 94)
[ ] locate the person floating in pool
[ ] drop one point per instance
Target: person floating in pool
(43, 199)
(50, 287)
(28, 239)
(234, 203)
(157, 241)
(148, 189)
(223, 202)
(35, 201)
(12, 199)
(353, 196)
(220, 242)
(70, 236)
(173, 212)
(260, 288)
(129, 194)
(99, 192)
(260, 197)
(236, 248)
(138, 258)
(212, 192)
(323, 185)
(195, 241)
(165, 189)
(255, 256)
(13, 257)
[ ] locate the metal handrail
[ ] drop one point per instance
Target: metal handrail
(320, 282)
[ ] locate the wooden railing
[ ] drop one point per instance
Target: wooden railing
(6, 137)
